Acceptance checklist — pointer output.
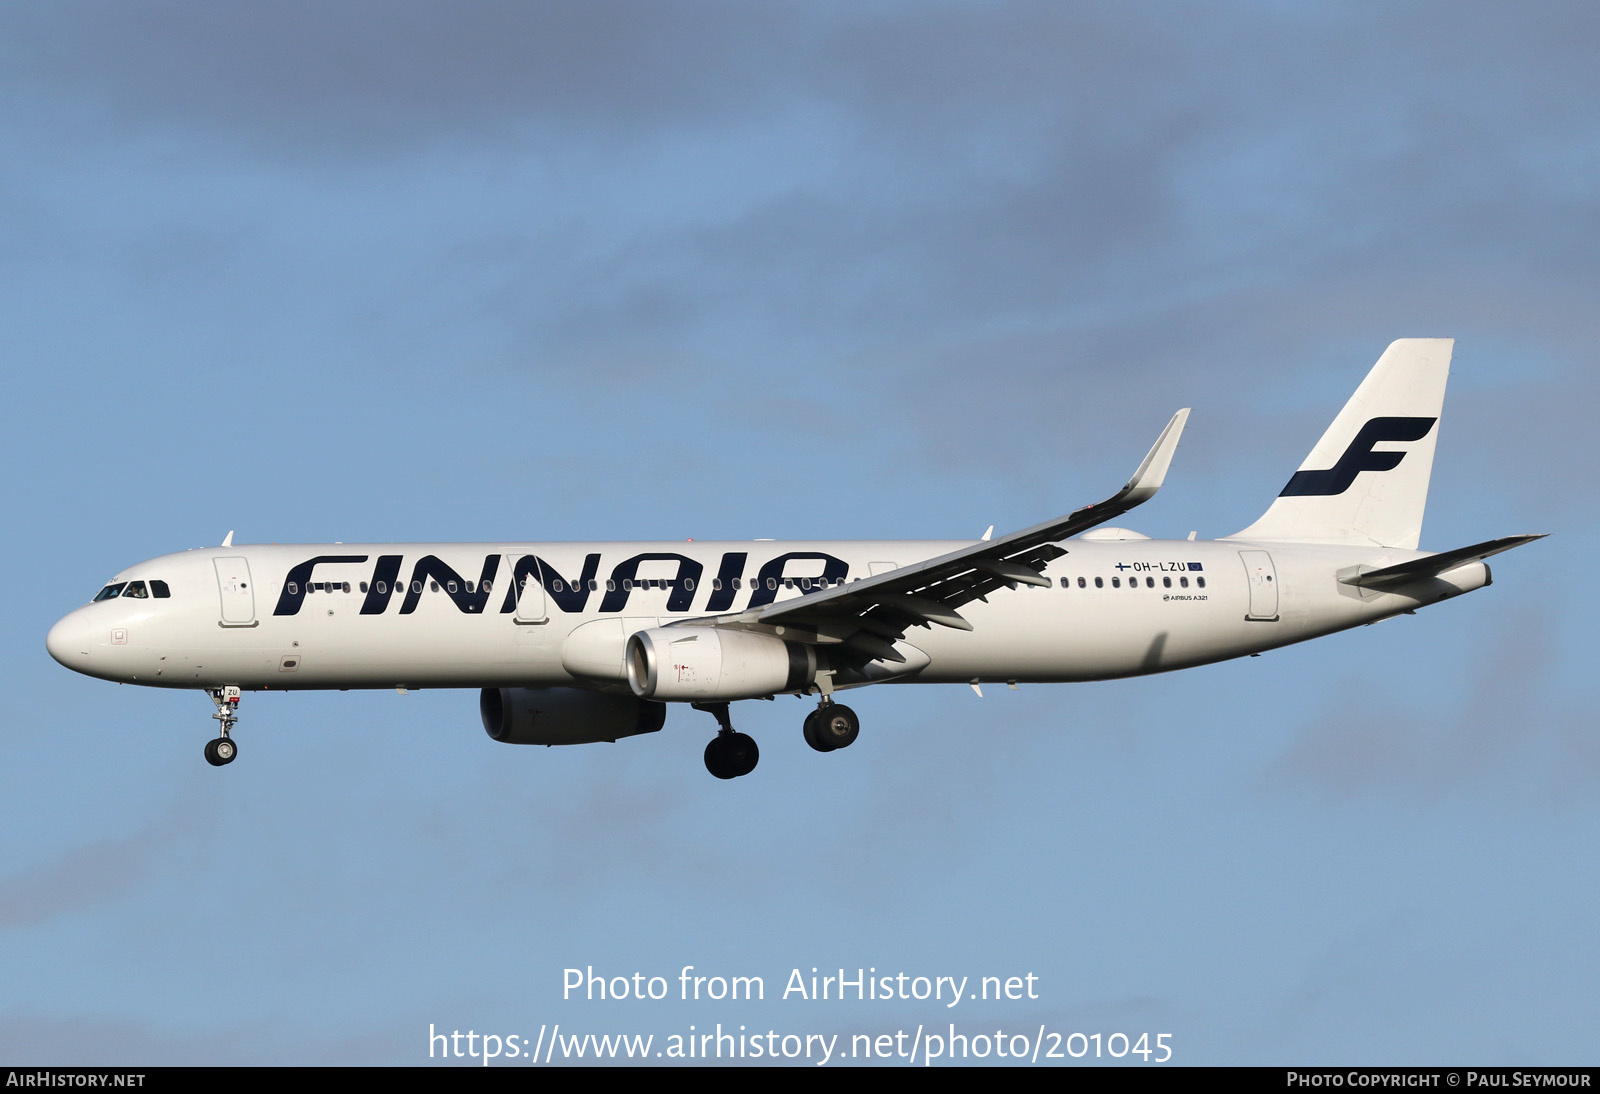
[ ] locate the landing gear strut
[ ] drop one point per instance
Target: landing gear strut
(223, 750)
(729, 754)
(831, 726)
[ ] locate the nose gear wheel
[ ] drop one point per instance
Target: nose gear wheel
(222, 750)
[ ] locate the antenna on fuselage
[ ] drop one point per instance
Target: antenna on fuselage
(227, 540)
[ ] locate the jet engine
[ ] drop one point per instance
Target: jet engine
(716, 664)
(565, 716)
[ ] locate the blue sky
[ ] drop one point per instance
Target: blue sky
(635, 271)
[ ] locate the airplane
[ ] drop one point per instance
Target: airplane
(574, 643)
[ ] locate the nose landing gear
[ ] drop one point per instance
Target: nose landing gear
(222, 750)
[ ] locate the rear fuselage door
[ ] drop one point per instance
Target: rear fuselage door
(238, 597)
(530, 594)
(1263, 585)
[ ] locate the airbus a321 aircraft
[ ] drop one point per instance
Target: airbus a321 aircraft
(573, 643)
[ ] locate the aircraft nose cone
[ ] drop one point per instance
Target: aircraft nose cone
(68, 641)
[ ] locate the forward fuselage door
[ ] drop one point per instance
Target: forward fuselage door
(234, 586)
(531, 607)
(1263, 585)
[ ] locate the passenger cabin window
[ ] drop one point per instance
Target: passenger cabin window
(110, 592)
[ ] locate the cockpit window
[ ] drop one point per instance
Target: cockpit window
(135, 589)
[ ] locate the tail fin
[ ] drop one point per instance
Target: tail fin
(1366, 481)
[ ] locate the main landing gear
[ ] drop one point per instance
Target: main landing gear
(831, 726)
(729, 754)
(223, 750)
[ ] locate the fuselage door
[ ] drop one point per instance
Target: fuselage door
(238, 597)
(530, 593)
(1263, 585)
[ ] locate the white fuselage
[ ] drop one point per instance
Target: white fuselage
(573, 643)
(269, 617)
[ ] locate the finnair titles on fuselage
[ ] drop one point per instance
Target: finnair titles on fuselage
(573, 643)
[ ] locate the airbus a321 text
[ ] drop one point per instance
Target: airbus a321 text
(580, 642)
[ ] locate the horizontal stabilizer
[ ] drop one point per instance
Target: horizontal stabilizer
(1433, 565)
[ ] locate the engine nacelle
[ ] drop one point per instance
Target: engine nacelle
(565, 716)
(710, 663)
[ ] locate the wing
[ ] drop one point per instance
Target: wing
(868, 616)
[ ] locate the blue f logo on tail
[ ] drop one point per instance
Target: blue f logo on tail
(1360, 457)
